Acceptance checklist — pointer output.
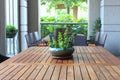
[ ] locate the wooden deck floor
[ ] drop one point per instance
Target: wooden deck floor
(36, 63)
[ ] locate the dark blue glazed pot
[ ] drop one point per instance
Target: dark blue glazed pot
(61, 53)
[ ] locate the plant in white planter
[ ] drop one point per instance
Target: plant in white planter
(62, 47)
(11, 31)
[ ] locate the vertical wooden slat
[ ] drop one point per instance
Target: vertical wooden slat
(56, 73)
(42, 73)
(28, 72)
(91, 73)
(5, 69)
(8, 71)
(49, 73)
(98, 72)
(21, 72)
(116, 69)
(14, 72)
(106, 73)
(112, 72)
(84, 72)
(35, 72)
(63, 73)
(70, 73)
(77, 73)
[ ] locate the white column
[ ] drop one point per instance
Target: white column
(110, 16)
(93, 14)
(2, 27)
(22, 24)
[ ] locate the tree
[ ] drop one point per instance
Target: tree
(68, 3)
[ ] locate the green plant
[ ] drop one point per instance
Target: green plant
(49, 28)
(63, 41)
(10, 31)
(68, 3)
(96, 27)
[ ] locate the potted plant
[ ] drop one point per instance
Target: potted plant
(96, 28)
(11, 31)
(61, 47)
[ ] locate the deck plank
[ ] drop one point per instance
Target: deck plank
(8, 72)
(77, 72)
(56, 73)
(63, 72)
(42, 73)
(21, 72)
(84, 72)
(112, 72)
(14, 72)
(106, 73)
(91, 73)
(49, 72)
(70, 73)
(28, 72)
(99, 73)
(35, 72)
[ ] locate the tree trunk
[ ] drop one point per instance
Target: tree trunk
(75, 11)
(68, 10)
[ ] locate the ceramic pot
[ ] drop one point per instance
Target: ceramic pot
(61, 53)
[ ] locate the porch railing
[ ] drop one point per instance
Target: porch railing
(76, 27)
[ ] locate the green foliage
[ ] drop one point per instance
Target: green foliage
(62, 18)
(69, 3)
(96, 27)
(47, 19)
(63, 41)
(78, 29)
(10, 31)
(66, 18)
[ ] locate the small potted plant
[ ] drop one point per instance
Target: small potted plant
(11, 31)
(62, 46)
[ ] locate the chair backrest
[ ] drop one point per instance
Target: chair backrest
(97, 36)
(29, 40)
(79, 40)
(51, 36)
(31, 37)
(36, 36)
(103, 40)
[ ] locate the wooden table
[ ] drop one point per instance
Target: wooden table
(36, 63)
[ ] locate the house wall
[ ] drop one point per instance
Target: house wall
(110, 18)
(2, 27)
